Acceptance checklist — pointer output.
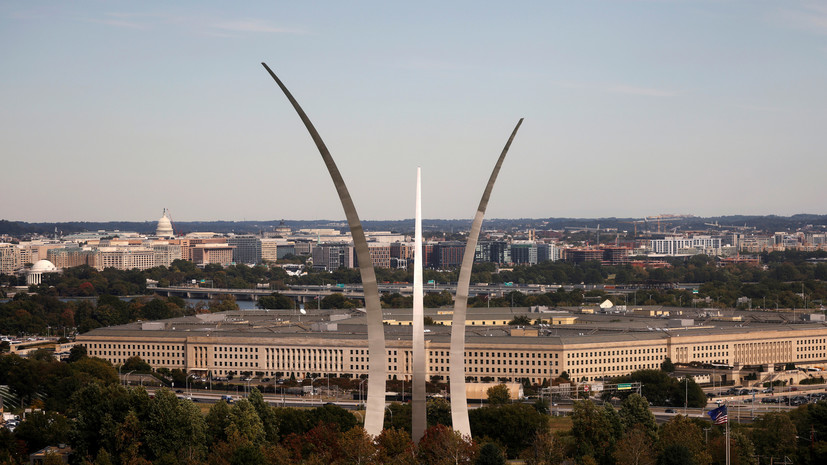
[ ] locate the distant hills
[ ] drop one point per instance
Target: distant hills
(762, 223)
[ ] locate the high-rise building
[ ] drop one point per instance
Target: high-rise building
(380, 254)
(275, 249)
(524, 252)
(447, 255)
(247, 249)
(547, 251)
(333, 256)
(583, 254)
(9, 258)
(69, 257)
(205, 254)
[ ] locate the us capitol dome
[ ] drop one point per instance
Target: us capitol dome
(164, 228)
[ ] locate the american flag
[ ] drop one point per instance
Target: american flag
(719, 415)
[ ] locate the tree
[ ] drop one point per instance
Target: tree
(490, 454)
(443, 299)
(634, 412)
(742, 451)
(635, 448)
(498, 395)
(546, 449)
(681, 430)
(774, 435)
(395, 447)
(332, 415)
(358, 448)
(266, 414)
(217, 422)
(175, 428)
(275, 301)
(443, 446)
(675, 454)
(667, 365)
(520, 320)
(513, 426)
(137, 364)
(223, 303)
(77, 352)
(592, 430)
(41, 429)
(438, 412)
(245, 422)
(337, 300)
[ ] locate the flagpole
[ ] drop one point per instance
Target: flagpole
(727, 437)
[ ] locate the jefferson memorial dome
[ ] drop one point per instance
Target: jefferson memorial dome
(35, 274)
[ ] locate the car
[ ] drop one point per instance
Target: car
(669, 410)
(179, 391)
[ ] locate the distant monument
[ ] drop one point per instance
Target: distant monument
(164, 228)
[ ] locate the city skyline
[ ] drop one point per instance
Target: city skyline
(112, 112)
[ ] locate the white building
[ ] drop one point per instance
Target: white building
(676, 245)
(35, 274)
(164, 228)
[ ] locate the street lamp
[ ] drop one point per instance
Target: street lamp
(685, 393)
(187, 383)
(360, 389)
(313, 390)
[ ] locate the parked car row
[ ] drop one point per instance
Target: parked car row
(795, 400)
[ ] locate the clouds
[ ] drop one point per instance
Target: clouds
(807, 16)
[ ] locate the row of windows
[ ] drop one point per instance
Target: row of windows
(712, 347)
(135, 346)
(611, 360)
(606, 353)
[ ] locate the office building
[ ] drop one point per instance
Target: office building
(587, 347)
(246, 249)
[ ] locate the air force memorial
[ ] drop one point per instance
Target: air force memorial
(377, 371)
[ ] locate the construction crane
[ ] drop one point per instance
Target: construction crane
(723, 226)
(666, 217)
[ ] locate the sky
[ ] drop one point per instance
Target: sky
(114, 110)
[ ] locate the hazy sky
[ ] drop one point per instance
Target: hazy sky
(114, 110)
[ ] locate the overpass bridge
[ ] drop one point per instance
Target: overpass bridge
(309, 293)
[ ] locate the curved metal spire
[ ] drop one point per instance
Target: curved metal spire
(377, 357)
(459, 401)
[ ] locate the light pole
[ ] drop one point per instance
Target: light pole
(685, 394)
(313, 390)
(360, 390)
(189, 393)
(126, 378)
